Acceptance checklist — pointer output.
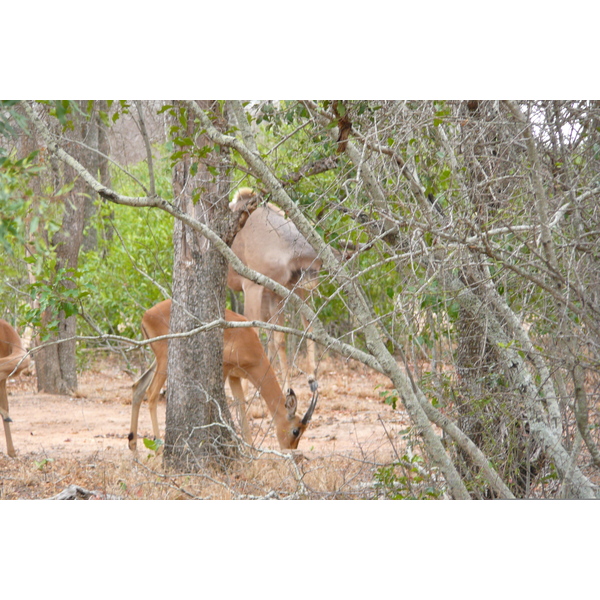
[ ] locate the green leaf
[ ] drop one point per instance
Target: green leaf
(40, 464)
(33, 226)
(62, 110)
(183, 118)
(104, 118)
(187, 141)
(153, 445)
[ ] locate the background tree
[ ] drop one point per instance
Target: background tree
(56, 362)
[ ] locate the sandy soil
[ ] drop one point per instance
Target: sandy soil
(351, 415)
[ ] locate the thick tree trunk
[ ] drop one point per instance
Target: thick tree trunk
(56, 362)
(196, 434)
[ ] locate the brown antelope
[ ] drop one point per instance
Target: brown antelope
(243, 357)
(13, 359)
(272, 245)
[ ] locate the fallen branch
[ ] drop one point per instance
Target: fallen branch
(75, 492)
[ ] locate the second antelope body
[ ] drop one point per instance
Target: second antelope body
(271, 244)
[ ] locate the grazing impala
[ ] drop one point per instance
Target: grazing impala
(13, 359)
(243, 357)
(272, 245)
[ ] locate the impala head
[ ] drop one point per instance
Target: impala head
(241, 196)
(289, 435)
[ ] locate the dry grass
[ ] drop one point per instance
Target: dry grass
(81, 441)
(143, 477)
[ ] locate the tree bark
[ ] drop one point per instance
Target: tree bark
(197, 413)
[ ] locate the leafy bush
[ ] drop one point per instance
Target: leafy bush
(406, 479)
(132, 262)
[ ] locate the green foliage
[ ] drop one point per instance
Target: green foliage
(440, 387)
(63, 111)
(15, 198)
(114, 283)
(122, 271)
(134, 254)
(40, 465)
(390, 397)
(59, 293)
(154, 445)
(11, 120)
(406, 479)
(21, 222)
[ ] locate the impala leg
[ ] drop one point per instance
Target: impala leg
(10, 449)
(158, 381)
(237, 390)
(138, 396)
(149, 384)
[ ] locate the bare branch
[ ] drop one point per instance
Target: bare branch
(156, 202)
(144, 132)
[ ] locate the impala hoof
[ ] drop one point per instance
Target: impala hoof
(132, 441)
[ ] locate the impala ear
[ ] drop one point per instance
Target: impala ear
(291, 403)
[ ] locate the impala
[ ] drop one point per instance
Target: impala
(13, 359)
(243, 358)
(272, 245)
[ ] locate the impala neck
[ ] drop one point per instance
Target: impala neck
(265, 380)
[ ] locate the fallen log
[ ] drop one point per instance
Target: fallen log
(75, 492)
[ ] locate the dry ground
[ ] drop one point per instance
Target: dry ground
(82, 440)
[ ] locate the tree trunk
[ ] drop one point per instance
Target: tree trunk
(197, 414)
(56, 362)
